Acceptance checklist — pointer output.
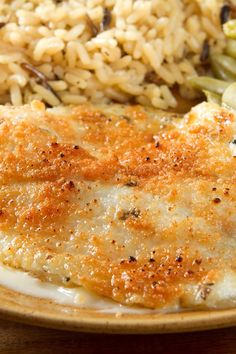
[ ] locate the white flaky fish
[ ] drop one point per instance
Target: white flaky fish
(134, 204)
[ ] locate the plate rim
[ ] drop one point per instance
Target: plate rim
(91, 321)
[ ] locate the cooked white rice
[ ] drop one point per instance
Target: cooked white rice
(164, 38)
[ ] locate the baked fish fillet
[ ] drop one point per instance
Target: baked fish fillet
(136, 205)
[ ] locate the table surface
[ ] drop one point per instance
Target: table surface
(23, 339)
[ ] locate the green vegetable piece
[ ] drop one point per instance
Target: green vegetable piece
(212, 97)
(230, 29)
(229, 96)
(220, 72)
(209, 84)
(226, 62)
(231, 48)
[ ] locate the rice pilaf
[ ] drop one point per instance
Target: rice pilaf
(103, 50)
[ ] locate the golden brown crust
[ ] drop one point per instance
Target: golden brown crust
(154, 283)
(133, 207)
